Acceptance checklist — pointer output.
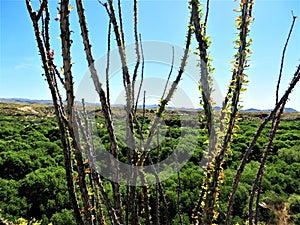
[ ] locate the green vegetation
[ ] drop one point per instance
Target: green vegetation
(32, 175)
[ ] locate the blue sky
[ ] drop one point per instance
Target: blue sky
(20, 66)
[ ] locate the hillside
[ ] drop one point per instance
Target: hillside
(32, 175)
(28, 107)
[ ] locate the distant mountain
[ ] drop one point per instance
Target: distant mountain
(31, 101)
(267, 110)
(25, 100)
(256, 110)
(290, 110)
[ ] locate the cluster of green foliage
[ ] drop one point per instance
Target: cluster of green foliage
(32, 174)
(281, 186)
(33, 186)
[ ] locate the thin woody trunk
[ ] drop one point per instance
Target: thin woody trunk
(104, 104)
(49, 67)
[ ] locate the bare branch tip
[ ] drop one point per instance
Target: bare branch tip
(294, 16)
(103, 4)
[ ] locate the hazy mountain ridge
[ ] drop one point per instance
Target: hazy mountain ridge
(31, 101)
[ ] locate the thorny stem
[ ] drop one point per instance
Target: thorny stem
(256, 187)
(67, 65)
(105, 108)
(283, 55)
(137, 50)
(108, 65)
(59, 111)
(142, 74)
(170, 73)
(170, 94)
(246, 155)
(204, 86)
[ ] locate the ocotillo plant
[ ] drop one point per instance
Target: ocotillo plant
(92, 203)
